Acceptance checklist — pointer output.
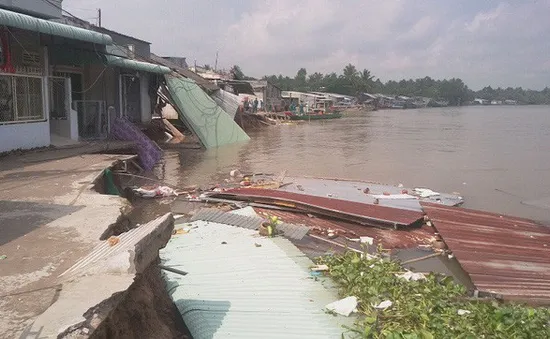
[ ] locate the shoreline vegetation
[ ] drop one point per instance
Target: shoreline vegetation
(432, 307)
(353, 81)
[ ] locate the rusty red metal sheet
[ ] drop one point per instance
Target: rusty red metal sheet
(354, 211)
(505, 255)
(388, 238)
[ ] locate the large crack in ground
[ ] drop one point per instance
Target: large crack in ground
(145, 310)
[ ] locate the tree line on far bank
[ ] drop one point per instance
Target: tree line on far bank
(353, 81)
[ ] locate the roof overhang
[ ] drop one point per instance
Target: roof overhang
(142, 66)
(30, 23)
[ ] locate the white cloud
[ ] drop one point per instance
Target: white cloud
(489, 42)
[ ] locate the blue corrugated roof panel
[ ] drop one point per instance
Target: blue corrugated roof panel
(241, 285)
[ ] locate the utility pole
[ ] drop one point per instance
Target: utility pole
(99, 17)
(216, 64)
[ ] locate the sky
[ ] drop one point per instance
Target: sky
(483, 42)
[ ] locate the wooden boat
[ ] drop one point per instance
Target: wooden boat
(308, 117)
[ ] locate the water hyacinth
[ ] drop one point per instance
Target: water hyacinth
(434, 307)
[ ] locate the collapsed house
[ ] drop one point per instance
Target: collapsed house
(64, 80)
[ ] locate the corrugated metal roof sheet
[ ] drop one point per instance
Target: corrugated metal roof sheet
(228, 101)
(30, 23)
(251, 223)
(504, 255)
(205, 118)
(210, 86)
(241, 285)
(353, 190)
(360, 212)
(389, 238)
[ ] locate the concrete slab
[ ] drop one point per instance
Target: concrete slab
(49, 219)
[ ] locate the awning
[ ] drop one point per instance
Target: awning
(30, 23)
(136, 65)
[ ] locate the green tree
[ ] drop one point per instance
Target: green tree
(237, 73)
(301, 79)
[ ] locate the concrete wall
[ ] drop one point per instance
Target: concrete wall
(142, 48)
(34, 7)
(24, 136)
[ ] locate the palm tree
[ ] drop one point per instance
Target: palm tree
(350, 72)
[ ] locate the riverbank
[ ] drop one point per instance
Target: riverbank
(58, 273)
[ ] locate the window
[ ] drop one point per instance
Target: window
(131, 50)
(21, 99)
(58, 106)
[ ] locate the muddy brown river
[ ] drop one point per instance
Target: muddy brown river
(497, 157)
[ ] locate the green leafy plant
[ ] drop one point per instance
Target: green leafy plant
(435, 307)
(269, 227)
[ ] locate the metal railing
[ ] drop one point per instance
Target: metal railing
(21, 99)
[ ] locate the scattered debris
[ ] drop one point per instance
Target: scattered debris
(425, 192)
(463, 312)
(113, 241)
(367, 240)
(384, 305)
(344, 306)
(319, 268)
(173, 270)
(235, 173)
(179, 231)
(257, 245)
(3, 257)
(411, 276)
(155, 192)
(224, 243)
(246, 211)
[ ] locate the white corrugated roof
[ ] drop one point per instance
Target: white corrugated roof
(241, 285)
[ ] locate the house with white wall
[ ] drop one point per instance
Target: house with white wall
(64, 81)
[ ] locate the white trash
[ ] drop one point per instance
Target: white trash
(344, 306)
(425, 192)
(411, 276)
(463, 312)
(384, 305)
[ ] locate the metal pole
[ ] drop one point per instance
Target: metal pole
(99, 16)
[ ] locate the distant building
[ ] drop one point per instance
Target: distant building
(478, 101)
(268, 93)
(209, 74)
(178, 61)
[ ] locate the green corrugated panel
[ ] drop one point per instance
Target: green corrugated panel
(30, 23)
(212, 125)
(241, 285)
(136, 65)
